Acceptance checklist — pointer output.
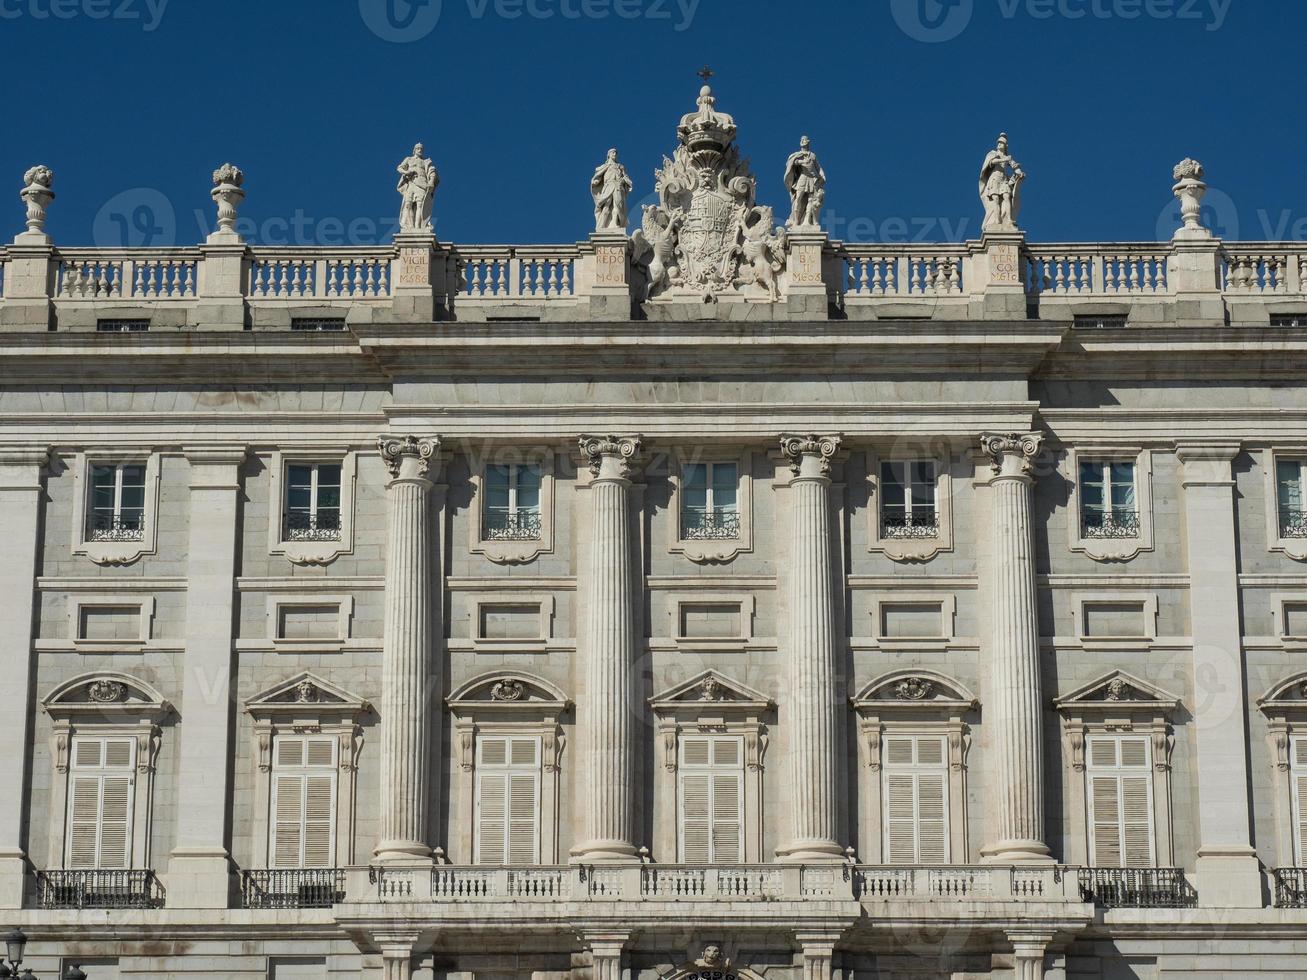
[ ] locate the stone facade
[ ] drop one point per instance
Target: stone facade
(561, 611)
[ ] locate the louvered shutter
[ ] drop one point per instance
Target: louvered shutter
(1120, 787)
(711, 800)
(915, 790)
(508, 801)
(1298, 772)
(304, 803)
(100, 803)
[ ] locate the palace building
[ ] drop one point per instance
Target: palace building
(718, 600)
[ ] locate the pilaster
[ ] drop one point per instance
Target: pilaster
(608, 717)
(806, 293)
(20, 520)
(220, 303)
(410, 674)
(199, 868)
(818, 952)
(413, 286)
(610, 286)
(606, 951)
(812, 701)
(996, 281)
(1028, 952)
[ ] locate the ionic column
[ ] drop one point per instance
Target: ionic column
(20, 520)
(812, 701)
(408, 676)
(606, 715)
(1014, 712)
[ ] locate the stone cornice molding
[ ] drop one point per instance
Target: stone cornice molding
(610, 457)
(1012, 456)
(810, 456)
(407, 457)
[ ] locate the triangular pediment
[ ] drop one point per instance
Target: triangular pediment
(711, 687)
(904, 688)
(307, 692)
(1118, 688)
(508, 689)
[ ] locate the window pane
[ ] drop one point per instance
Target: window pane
(299, 476)
(528, 478)
(328, 497)
(298, 497)
(923, 473)
(893, 476)
(1289, 486)
(328, 475)
(696, 476)
(133, 499)
(725, 485)
(528, 498)
(1123, 485)
(497, 479)
(133, 476)
(696, 498)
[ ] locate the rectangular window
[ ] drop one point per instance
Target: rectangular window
(110, 623)
(916, 818)
(1108, 507)
(308, 622)
(907, 500)
(303, 802)
(1289, 320)
(1114, 619)
(317, 324)
(312, 502)
(711, 621)
(710, 793)
(1295, 619)
(1290, 479)
(512, 503)
(122, 326)
(911, 620)
(511, 622)
(507, 800)
(117, 502)
(1298, 775)
(710, 502)
(1100, 321)
(1119, 780)
(101, 791)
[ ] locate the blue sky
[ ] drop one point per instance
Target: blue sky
(133, 103)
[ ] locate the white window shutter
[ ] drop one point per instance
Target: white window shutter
(523, 816)
(1105, 802)
(507, 800)
(83, 822)
(727, 817)
(932, 818)
(288, 820)
(1298, 772)
(1120, 783)
(101, 795)
(492, 817)
(901, 818)
(916, 803)
(319, 821)
(696, 821)
(711, 799)
(304, 796)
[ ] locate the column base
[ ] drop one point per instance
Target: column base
(604, 852)
(403, 852)
(13, 878)
(1017, 852)
(812, 852)
(199, 878)
(1229, 878)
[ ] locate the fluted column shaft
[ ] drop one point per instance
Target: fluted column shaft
(1015, 709)
(408, 680)
(812, 699)
(606, 716)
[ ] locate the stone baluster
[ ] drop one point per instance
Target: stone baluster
(812, 700)
(1014, 711)
(607, 717)
(408, 677)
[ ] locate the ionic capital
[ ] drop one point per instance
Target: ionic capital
(1012, 456)
(610, 457)
(810, 455)
(407, 458)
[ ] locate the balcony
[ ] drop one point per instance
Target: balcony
(303, 526)
(920, 524)
(306, 888)
(1116, 523)
(98, 889)
(1293, 524)
(106, 527)
(1290, 888)
(1137, 888)
(520, 525)
(711, 525)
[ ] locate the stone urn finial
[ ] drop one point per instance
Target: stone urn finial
(37, 192)
(1191, 190)
(227, 194)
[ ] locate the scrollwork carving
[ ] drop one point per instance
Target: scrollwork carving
(822, 448)
(395, 451)
(622, 450)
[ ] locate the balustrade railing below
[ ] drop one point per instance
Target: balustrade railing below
(98, 889)
(292, 888)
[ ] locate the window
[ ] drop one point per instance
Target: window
(116, 510)
(1290, 479)
(710, 502)
(711, 797)
(1298, 777)
(1119, 779)
(122, 326)
(1289, 320)
(312, 502)
(907, 500)
(1295, 620)
(512, 503)
(1108, 507)
(916, 779)
(303, 802)
(317, 324)
(1100, 321)
(101, 792)
(508, 800)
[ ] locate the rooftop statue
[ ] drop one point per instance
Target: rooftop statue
(418, 181)
(1000, 188)
(806, 182)
(610, 186)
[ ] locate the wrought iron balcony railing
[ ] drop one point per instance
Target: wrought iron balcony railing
(918, 524)
(711, 525)
(1111, 524)
(108, 527)
(98, 889)
(293, 888)
(303, 526)
(521, 525)
(1290, 888)
(1293, 524)
(1137, 888)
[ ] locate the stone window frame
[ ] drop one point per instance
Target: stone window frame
(310, 553)
(948, 614)
(1111, 549)
(145, 605)
(1285, 708)
(116, 552)
(1149, 601)
(532, 644)
(513, 552)
(1294, 548)
(881, 711)
(1091, 710)
(710, 703)
(506, 703)
(1279, 600)
(747, 601)
(712, 552)
(910, 549)
(131, 709)
(326, 710)
(276, 602)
